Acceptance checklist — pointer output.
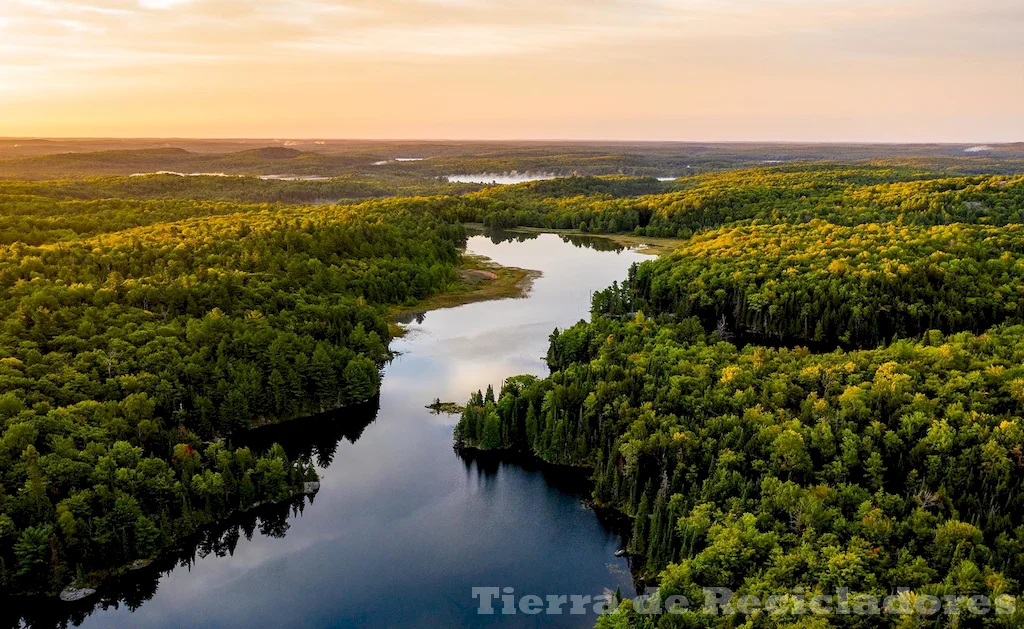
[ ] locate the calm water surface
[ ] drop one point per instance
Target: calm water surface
(402, 527)
(501, 178)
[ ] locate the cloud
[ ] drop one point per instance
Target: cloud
(448, 28)
(71, 6)
(539, 58)
(161, 5)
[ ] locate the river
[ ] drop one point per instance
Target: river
(403, 527)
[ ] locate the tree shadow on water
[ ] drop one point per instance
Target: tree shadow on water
(316, 437)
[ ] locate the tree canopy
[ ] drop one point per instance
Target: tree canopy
(822, 387)
(138, 337)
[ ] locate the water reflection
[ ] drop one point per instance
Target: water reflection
(582, 241)
(499, 236)
(568, 480)
(501, 178)
(597, 243)
(132, 590)
(398, 508)
(411, 317)
(316, 437)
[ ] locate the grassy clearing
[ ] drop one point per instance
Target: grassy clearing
(480, 279)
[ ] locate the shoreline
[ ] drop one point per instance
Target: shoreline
(98, 583)
(644, 244)
(623, 522)
(483, 279)
(480, 279)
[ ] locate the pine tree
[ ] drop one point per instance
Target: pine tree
(641, 528)
(278, 394)
(465, 430)
(660, 536)
(360, 379)
(605, 492)
(322, 377)
(32, 550)
(491, 438)
(234, 412)
(531, 426)
(147, 537)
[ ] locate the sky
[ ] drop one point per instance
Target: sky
(695, 70)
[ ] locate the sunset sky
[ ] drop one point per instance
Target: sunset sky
(857, 70)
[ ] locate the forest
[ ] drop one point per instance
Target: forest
(840, 195)
(833, 285)
(139, 338)
(79, 158)
(247, 189)
(822, 386)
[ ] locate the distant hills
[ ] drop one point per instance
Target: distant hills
(27, 158)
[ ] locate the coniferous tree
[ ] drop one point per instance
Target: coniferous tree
(641, 528)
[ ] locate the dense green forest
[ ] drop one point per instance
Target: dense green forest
(782, 195)
(137, 337)
(822, 387)
(229, 188)
(834, 284)
(767, 469)
(146, 323)
(37, 213)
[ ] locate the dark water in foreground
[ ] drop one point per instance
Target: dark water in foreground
(403, 527)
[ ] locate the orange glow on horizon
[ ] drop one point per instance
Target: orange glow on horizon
(850, 70)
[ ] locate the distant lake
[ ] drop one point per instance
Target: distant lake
(398, 159)
(403, 526)
(295, 177)
(265, 177)
(504, 178)
(176, 174)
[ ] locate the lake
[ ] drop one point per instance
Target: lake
(403, 527)
(503, 178)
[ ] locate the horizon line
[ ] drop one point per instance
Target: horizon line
(314, 139)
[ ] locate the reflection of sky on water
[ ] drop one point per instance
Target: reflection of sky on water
(501, 178)
(402, 529)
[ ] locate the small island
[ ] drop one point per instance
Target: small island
(444, 408)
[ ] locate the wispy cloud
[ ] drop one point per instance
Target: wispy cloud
(495, 53)
(162, 5)
(483, 27)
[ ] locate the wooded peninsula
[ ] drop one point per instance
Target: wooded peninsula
(819, 385)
